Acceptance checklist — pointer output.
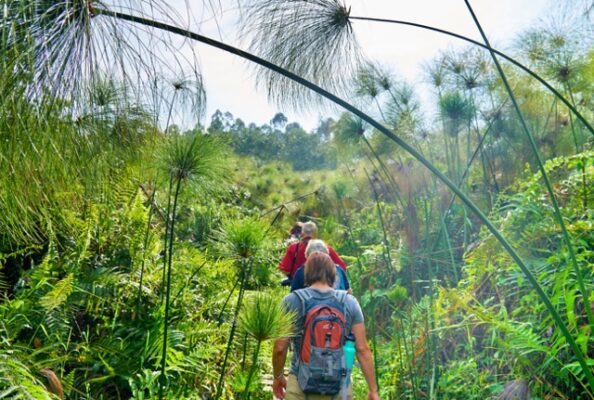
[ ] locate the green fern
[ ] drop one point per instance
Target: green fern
(17, 382)
(59, 294)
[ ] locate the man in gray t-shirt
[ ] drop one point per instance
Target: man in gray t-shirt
(320, 273)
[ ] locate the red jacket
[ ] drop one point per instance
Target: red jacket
(290, 263)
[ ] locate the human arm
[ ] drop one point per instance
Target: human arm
(298, 281)
(345, 279)
(336, 258)
(286, 264)
(279, 356)
(365, 359)
(349, 289)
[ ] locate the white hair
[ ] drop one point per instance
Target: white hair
(316, 245)
(309, 228)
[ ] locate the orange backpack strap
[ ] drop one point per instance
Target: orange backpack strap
(303, 296)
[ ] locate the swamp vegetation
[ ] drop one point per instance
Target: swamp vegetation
(138, 256)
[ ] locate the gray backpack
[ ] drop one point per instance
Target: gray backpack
(322, 367)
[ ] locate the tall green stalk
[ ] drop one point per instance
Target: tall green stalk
(380, 215)
(545, 177)
(409, 357)
(390, 180)
(245, 268)
(252, 369)
(430, 326)
(166, 238)
(162, 377)
(578, 149)
(374, 341)
(482, 153)
(187, 158)
(146, 242)
(244, 351)
(411, 150)
(220, 317)
(167, 217)
(573, 133)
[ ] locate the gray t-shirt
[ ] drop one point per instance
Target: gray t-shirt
(353, 316)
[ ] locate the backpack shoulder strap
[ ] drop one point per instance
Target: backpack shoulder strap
(303, 295)
(341, 295)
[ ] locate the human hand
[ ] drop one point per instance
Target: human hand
(278, 387)
(373, 396)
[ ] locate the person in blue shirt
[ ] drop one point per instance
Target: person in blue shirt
(316, 245)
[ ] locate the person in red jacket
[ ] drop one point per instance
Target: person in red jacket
(295, 254)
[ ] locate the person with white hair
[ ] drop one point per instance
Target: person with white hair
(328, 322)
(295, 255)
(318, 246)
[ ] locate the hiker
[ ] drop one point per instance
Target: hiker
(317, 245)
(295, 254)
(295, 232)
(322, 312)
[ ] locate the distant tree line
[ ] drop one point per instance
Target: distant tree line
(280, 140)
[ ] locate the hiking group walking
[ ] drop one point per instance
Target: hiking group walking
(329, 325)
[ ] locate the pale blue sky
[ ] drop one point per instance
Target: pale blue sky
(230, 83)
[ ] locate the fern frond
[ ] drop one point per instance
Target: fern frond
(17, 382)
(59, 294)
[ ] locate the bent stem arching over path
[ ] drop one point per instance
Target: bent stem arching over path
(543, 172)
(411, 150)
(101, 13)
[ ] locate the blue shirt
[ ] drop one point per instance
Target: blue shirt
(341, 283)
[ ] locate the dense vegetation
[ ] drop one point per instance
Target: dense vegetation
(139, 260)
